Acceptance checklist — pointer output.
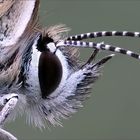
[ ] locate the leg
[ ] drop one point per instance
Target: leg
(4, 135)
(8, 102)
(92, 57)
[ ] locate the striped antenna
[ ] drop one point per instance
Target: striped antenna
(102, 34)
(99, 46)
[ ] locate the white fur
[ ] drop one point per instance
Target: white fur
(33, 79)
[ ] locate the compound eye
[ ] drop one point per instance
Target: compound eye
(49, 72)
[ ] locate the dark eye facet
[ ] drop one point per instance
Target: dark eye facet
(49, 73)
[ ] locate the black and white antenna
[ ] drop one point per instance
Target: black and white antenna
(98, 46)
(103, 34)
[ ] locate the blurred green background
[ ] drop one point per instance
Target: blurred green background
(113, 111)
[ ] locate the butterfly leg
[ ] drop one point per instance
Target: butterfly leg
(8, 103)
(93, 55)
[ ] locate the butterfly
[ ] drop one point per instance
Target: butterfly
(40, 72)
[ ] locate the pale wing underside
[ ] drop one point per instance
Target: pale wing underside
(5, 5)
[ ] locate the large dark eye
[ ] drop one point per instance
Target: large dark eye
(49, 72)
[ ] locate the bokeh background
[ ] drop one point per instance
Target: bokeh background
(113, 111)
